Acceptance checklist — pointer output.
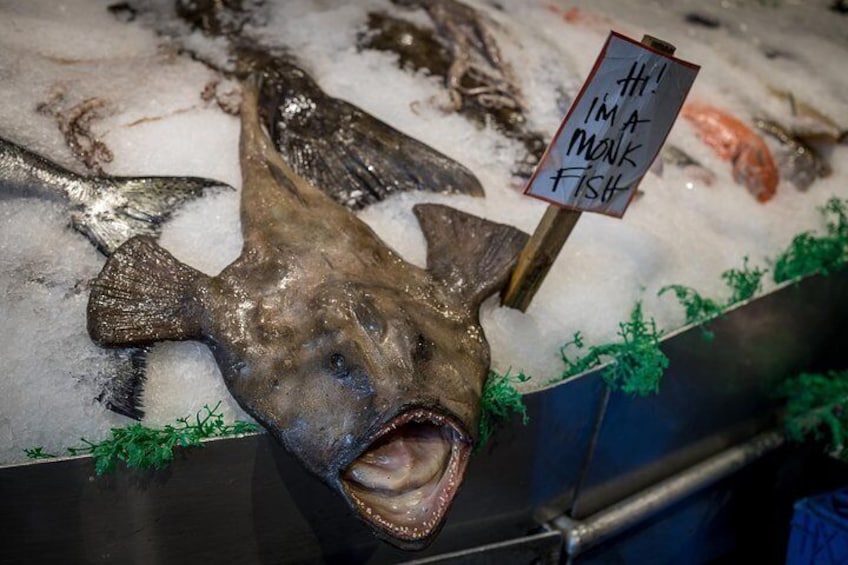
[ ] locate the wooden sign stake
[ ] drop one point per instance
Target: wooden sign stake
(547, 241)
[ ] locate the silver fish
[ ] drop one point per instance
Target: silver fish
(365, 367)
(107, 210)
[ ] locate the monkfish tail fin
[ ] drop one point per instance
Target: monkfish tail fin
(348, 154)
(473, 257)
(112, 210)
(143, 295)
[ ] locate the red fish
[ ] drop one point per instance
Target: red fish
(732, 140)
(592, 20)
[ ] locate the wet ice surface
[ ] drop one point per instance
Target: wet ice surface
(155, 122)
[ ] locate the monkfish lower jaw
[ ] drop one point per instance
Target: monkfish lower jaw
(403, 483)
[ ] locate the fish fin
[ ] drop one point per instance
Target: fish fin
(142, 295)
(472, 256)
(107, 210)
(118, 208)
(121, 393)
(350, 155)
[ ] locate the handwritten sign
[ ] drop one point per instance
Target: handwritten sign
(614, 129)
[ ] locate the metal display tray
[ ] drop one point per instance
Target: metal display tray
(246, 501)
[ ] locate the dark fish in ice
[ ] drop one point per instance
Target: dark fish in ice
(474, 51)
(367, 368)
(462, 51)
(222, 18)
(797, 162)
(107, 210)
(356, 158)
(120, 387)
(809, 124)
(702, 19)
(677, 157)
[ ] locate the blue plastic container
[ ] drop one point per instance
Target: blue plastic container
(820, 530)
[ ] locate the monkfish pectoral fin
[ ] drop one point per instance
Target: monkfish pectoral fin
(472, 256)
(142, 295)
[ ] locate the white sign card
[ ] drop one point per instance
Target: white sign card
(614, 129)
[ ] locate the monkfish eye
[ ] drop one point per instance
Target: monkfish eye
(338, 366)
(353, 377)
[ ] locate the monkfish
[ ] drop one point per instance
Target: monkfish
(368, 369)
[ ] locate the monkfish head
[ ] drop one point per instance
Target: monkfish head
(370, 375)
(375, 390)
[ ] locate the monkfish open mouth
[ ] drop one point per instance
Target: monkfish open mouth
(405, 480)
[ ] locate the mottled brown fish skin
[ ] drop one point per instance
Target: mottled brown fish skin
(322, 332)
(290, 303)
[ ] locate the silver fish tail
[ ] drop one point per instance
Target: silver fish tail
(107, 210)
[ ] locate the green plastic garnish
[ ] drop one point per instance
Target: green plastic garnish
(744, 283)
(580, 364)
(38, 453)
(699, 309)
(816, 409)
(499, 401)
(636, 362)
(142, 447)
(809, 254)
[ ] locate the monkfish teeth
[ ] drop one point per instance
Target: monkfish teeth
(413, 515)
(407, 459)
